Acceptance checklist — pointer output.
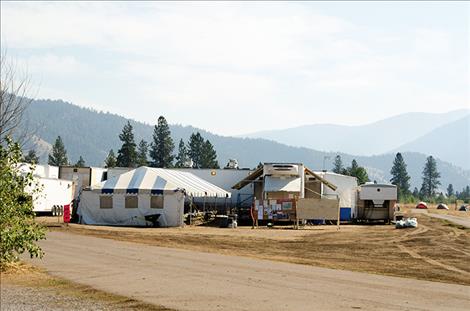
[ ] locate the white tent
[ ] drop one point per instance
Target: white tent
(346, 190)
(126, 199)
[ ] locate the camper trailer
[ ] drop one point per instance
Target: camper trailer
(54, 195)
(376, 202)
(49, 193)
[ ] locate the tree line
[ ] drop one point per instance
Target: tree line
(400, 177)
(197, 153)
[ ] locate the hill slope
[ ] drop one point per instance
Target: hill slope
(387, 134)
(92, 134)
(450, 141)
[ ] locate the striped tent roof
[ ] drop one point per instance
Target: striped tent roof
(157, 180)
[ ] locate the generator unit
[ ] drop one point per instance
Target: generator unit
(282, 169)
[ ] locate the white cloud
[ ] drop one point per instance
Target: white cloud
(242, 59)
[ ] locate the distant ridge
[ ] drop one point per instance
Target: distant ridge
(92, 134)
(388, 134)
(450, 141)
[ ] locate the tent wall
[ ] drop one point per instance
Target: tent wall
(346, 190)
(119, 215)
(225, 179)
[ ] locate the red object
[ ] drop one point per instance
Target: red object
(67, 213)
(422, 205)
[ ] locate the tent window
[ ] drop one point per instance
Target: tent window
(132, 201)
(106, 201)
(156, 201)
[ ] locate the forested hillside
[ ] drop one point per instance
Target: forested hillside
(92, 134)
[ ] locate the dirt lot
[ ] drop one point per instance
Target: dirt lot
(197, 281)
(24, 287)
(437, 250)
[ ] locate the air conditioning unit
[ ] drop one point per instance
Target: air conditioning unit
(281, 170)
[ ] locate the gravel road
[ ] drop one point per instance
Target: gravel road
(189, 280)
(454, 219)
(25, 298)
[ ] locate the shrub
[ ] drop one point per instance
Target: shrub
(19, 232)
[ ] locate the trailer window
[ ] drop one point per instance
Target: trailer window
(156, 201)
(106, 201)
(132, 201)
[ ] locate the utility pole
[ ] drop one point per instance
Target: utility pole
(324, 159)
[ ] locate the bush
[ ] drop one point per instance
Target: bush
(19, 232)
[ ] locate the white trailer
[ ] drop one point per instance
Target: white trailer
(54, 194)
(377, 202)
(82, 177)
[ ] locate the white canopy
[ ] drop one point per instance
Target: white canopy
(287, 184)
(157, 180)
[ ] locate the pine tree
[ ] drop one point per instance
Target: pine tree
(59, 154)
(416, 192)
(450, 190)
(142, 153)
(430, 179)
(208, 156)
(400, 176)
(441, 198)
(464, 194)
(195, 149)
(161, 151)
(338, 167)
(80, 162)
(127, 155)
(357, 171)
(110, 160)
(31, 157)
(182, 156)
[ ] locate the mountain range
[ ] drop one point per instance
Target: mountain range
(92, 134)
(446, 135)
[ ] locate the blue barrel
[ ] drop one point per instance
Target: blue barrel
(345, 213)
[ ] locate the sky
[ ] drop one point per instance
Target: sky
(234, 68)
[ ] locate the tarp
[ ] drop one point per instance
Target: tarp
(287, 184)
(157, 181)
